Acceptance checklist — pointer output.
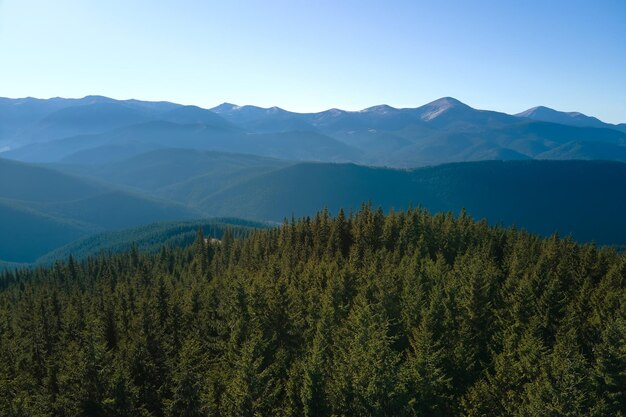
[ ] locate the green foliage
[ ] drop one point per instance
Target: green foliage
(405, 314)
(150, 238)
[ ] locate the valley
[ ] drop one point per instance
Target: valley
(78, 167)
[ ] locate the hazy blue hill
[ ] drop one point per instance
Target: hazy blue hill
(299, 146)
(521, 140)
(297, 189)
(43, 208)
(156, 108)
(586, 150)
(379, 118)
(437, 114)
(196, 190)
(29, 119)
(445, 130)
(546, 114)
(195, 115)
(149, 135)
(150, 238)
(552, 133)
(336, 120)
(99, 130)
(85, 119)
(444, 113)
(53, 151)
(585, 198)
(19, 116)
(261, 120)
(130, 140)
(171, 168)
(447, 111)
(414, 145)
(68, 196)
(26, 234)
(484, 152)
(448, 130)
(16, 115)
(91, 115)
(378, 147)
(21, 181)
(116, 209)
(106, 154)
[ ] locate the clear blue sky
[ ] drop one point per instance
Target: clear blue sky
(312, 55)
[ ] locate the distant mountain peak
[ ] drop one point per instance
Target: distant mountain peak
(225, 108)
(447, 101)
(335, 111)
(536, 110)
(543, 110)
(96, 97)
(380, 109)
(440, 106)
(546, 114)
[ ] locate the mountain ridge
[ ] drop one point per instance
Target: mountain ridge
(48, 206)
(227, 106)
(445, 130)
(574, 118)
(41, 207)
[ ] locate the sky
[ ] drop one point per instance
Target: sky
(317, 54)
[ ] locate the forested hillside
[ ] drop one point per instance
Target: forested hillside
(42, 209)
(150, 238)
(583, 198)
(359, 315)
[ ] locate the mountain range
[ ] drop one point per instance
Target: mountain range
(76, 168)
(100, 129)
(546, 114)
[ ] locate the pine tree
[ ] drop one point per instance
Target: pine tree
(201, 255)
(562, 388)
(364, 365)
(121, 396)
(186, 394)
(250, 385)
(428, 388)
(405, 314)
(609, 370)
(313, 391)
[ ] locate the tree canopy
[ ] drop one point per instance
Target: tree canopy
(404, 314)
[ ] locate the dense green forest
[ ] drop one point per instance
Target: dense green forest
(150, 238)
(362, 314)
